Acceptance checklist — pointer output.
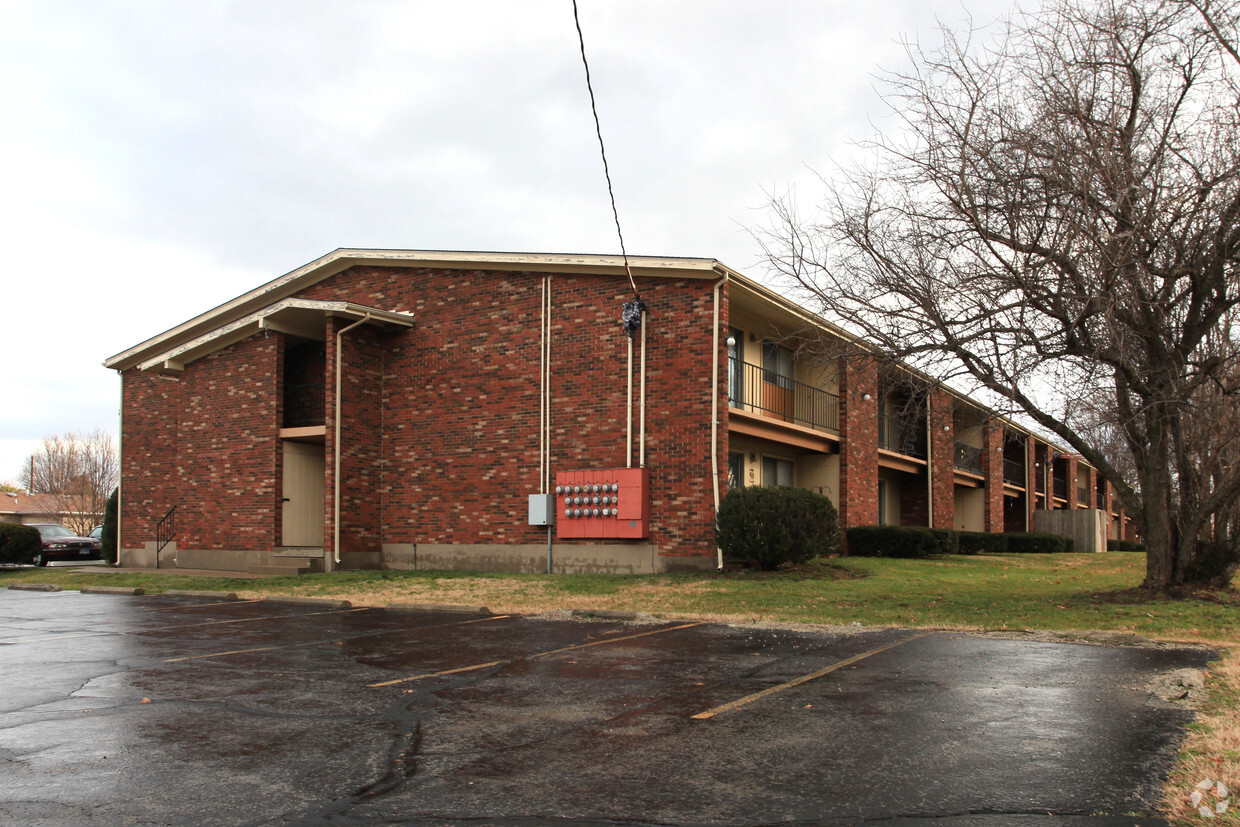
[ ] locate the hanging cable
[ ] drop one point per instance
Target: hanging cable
(598, 130)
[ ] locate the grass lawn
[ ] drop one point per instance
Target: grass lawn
(1069, 593)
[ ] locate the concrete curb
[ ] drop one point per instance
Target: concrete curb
(187, 593)
(111, 590)
(34, 587)
(308, 601)
(453, 608)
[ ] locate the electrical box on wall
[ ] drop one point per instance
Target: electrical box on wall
(612, 503)
(542, 509)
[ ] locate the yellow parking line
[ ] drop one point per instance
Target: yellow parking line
(748, 699)
(535, 656)
(328, 640)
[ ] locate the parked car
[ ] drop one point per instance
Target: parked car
(59, 543)
(96, 533)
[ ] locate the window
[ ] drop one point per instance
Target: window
(882, 502)
(776, 472)
(736, 368)
(736, 471)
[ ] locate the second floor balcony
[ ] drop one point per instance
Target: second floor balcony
(968, 458)
(901, 436)
(770, 393)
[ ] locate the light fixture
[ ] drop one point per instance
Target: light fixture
(946, 428)
(865, 397)
(731, 341)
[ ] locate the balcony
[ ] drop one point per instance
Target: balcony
(968, 458)
(304, 405)
(1061, 487)
(1014, 472)
(895, 434)
(754, 389)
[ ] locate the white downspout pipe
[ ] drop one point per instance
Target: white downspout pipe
(642, 425)
(929, 466)
(714, 409)
(336, 464)
(120, 469)
(628, 428)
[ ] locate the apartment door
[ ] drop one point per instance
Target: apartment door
(777, 382)
(304, 468)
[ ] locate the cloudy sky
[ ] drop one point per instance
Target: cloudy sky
(162, 157)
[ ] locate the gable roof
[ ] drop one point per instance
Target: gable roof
(233, 320)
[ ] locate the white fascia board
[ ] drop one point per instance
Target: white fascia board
(174, 359)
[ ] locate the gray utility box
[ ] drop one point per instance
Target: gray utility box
(542, 509)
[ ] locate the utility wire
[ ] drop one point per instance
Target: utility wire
(598, 130)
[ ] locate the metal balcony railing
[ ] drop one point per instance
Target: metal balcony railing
(895, 434)
(1061, 487)
(752, 388)
(304, 405)
(1102, 500)
(968, 458)
(1014, 472)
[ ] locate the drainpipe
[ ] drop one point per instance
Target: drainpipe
(714, 409)
(120, 476)
(336, 465)
(642, 425)
(929, 466)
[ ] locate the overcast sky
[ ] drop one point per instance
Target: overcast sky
(160, 158)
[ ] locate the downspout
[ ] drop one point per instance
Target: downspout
(714, 409)
(628, 428)
(336, 464)
(120, 476)
(642, 424)
(929, 466)
(546, 403)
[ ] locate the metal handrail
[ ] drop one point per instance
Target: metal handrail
(968, 458)
(1014, 472)
(901, 436)
(753, 388)
(165, 530)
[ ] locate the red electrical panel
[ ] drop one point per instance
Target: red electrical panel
(611, 503)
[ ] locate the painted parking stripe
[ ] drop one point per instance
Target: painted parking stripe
(330, 640)
(748, 699)
(535, 656)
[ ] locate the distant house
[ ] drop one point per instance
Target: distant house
(412, 409)
(23, 508)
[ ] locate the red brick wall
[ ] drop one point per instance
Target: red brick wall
(228, 452)
(942, 460)
(992, 469)
(459, 438)
(858, 442)
(151, 408)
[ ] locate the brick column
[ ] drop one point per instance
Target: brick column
(942, 460)
(1074, 468)
(858, 441)
(992, 469)
(1031, 479)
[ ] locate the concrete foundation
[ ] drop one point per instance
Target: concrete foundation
(565, 559)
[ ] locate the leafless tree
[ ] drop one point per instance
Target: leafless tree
(78, 471)
(1056, 212)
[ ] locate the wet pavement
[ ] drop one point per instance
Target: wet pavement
(176, 710)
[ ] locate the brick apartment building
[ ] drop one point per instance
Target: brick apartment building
(456, 392)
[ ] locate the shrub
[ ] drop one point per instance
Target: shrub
(768, 527)
(901, 541)
(1125, 545)
(982, 542)
(109, 528)
(19, 543)
(1034, 543)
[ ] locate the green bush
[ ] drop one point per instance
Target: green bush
(768, 527)
(982, 542)
(109, 528)
(901, 541)
(19, 543)
(1125, 545)
(1034, 543)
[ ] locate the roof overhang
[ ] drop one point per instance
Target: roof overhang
(303, 318)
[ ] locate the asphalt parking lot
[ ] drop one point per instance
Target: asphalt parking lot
(193, 710)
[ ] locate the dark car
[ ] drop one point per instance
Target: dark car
(59, 543)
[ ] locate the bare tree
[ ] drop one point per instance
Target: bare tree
(78, 471)
(1056, 214)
